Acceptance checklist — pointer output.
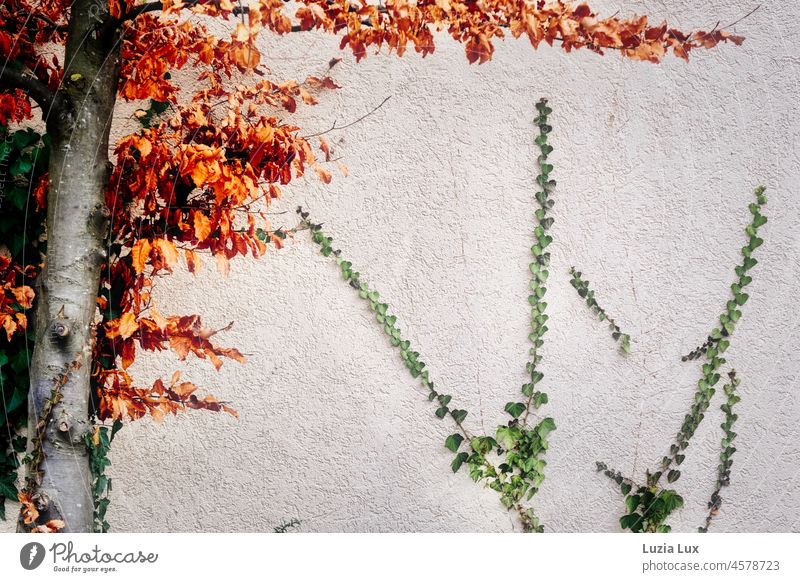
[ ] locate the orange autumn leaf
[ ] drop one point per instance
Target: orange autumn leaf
(168, 252)
(142, 144)
(127, 354)
(184, 389)
(123, 327)
(140, 253)
(202, 163)
(242, 33)
(24, 296)
(193, 262)
(246, 56)
(127, 325)
(40, 192)
(323, 83)
(114, 8)
(325, 147)
(96, 436)
(307, 97)
(223, 264)
(9, 325)
(323, 174)
(202, 226)
(28, 510)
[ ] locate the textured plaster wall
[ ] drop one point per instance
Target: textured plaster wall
(655, 166)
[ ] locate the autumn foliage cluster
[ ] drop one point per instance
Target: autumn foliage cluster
(14, 294)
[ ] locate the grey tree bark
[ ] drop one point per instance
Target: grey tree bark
(78, 121)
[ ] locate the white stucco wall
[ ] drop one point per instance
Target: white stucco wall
(655, 166)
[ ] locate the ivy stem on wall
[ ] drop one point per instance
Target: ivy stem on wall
(725, 456)
(650, 505)
(520, 445)
(539, 268)
(388, 322)
(585, 292)
(718, 342)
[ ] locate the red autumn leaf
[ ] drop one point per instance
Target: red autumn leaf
(127, 353)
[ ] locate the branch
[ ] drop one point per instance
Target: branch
(734, 23)
(144, 8)
(51, 24)
(335, 127)
(237, 11)
(36, 89)
(158, 6)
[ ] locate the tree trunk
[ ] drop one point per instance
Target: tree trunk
(59, 477)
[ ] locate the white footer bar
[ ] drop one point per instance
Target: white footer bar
(379, 557)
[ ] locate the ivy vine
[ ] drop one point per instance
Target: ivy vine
(24, 155)
(98, 443)
(725, 456)
(520, 444)
(649, 505)
(511, 462)
(585, 292)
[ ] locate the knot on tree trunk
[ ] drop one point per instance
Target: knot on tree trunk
(70, 431)
(60, 330)
(100, 220)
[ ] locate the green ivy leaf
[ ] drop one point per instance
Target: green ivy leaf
(8, 490)
(453, 442)
(515, 409)
(23, 138)
(631, 521)
(459, 415)
(507, 436)
(458, 461)
(632, 502)
(546, 426)
(539, 398)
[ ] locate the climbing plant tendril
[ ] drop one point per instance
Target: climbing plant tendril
(98, 443)
(649, 505)
(521, 443)
(725, 460)
(582, 287)
(411, 358)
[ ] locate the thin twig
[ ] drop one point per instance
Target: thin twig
(360, 119)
